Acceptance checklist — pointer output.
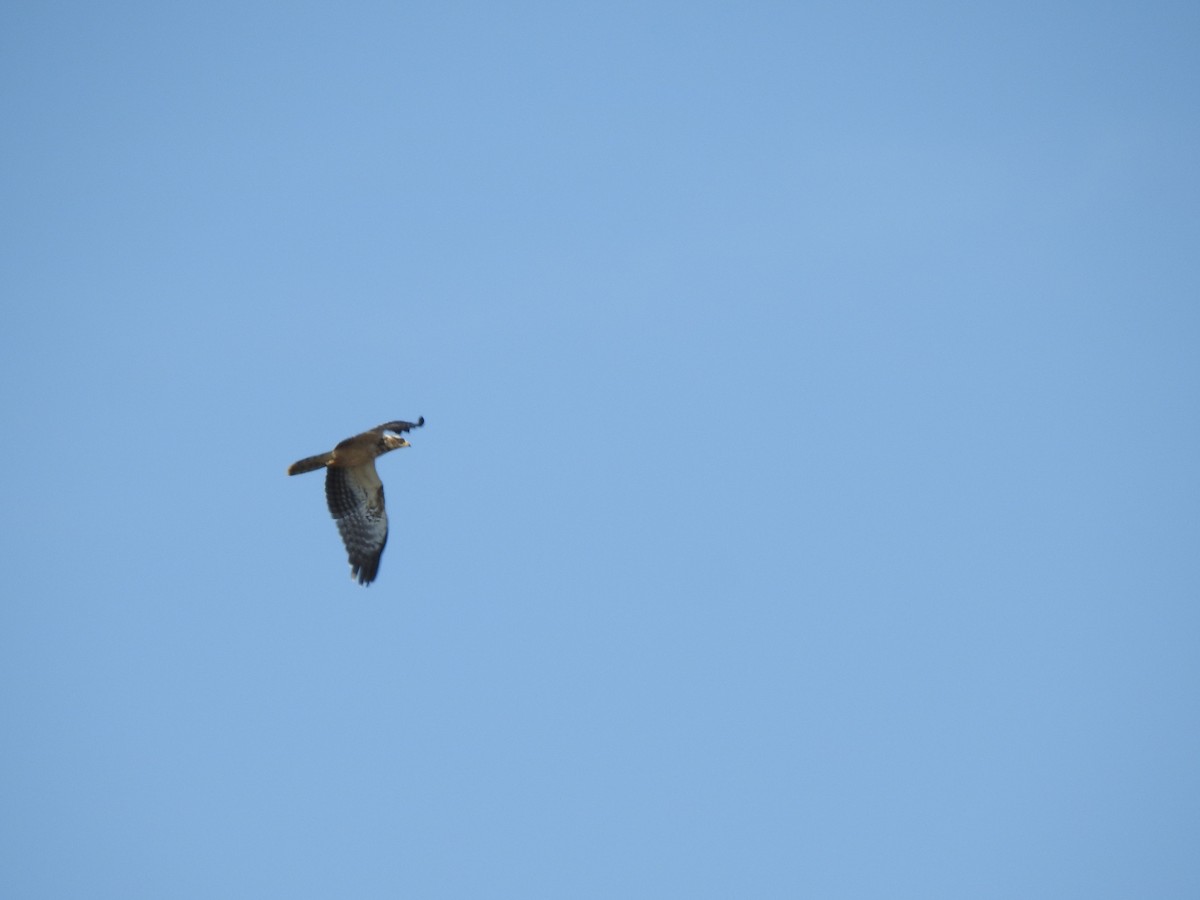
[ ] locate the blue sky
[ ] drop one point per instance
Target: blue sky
(808, 504)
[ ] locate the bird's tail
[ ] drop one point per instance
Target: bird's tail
(310, 464)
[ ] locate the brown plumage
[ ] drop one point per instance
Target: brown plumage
(355, 493)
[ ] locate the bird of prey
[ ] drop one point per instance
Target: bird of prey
(355, 493)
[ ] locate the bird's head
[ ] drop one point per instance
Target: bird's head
(390, 434)
(393, 441)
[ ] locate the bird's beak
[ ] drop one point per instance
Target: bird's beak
(403, 443)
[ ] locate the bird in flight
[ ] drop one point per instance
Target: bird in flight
(355, 493)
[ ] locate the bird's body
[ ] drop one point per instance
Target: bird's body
(355, 493)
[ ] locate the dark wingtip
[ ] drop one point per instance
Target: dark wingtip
(366, 571)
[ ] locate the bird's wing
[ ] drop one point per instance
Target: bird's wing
(355, 497)
(399, 427)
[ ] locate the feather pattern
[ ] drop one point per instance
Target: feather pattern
(355, 498)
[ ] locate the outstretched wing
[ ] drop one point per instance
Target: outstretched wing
(398, 427)
(355, 497)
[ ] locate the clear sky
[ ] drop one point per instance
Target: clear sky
(808, 504)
